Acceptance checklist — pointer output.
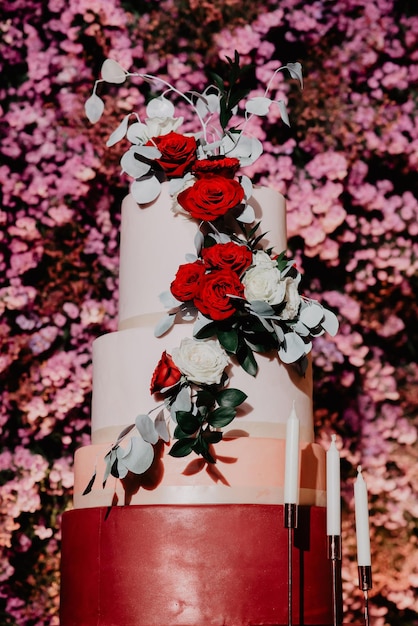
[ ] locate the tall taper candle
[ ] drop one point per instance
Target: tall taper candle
(362, 520)
(333, 490)
(291, 475)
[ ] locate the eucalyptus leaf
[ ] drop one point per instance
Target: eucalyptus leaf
(137, 457)
(168, 300)
(293, 348)
(123, 433)
(119, 132)
(247, 216)
(146, 428)
(132, 166)
(295, 70)
(147, 190)
(112, 72)
(137, 133)
(258, 106)
(260, 307)
(161, 427)
(182, 402)
(311, 314)
(90, 484)
(330, 322)
(247, 185)
(164, 325)
(283, 112)
(94, 107)
(199, 241)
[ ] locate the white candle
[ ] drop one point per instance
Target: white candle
(291, 473)
(362, 520)
(333, 489)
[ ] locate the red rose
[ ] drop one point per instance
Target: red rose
(217, 166)
(178, 153)
(222, 255)
(166, 374)
(210, 198)
(213, 298)
(186, 282)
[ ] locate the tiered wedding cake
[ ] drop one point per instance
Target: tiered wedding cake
(198, 540)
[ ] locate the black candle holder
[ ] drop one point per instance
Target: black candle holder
(365, 584)
(290, 522)
(335, 554)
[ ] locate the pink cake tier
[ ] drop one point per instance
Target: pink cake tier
(173, 565)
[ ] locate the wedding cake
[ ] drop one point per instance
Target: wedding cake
(178, 502)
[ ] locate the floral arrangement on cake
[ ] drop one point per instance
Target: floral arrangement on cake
(242, 298)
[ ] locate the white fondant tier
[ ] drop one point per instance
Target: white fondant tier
(154, 242)
(125, 360)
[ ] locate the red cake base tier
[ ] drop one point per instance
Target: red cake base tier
(203, 565)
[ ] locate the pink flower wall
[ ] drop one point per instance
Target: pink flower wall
(348, 167)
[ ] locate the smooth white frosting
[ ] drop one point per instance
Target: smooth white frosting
(154, 242)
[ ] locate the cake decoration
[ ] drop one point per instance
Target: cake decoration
(240, 298)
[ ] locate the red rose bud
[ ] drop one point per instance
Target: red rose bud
(210, 198)
(165, 375)
(213, 298)
(217, 166)
(178, 153)
(228, 255)
(186, 283)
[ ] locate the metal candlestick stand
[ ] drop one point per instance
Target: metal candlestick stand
(365, 583)
(290, 522)
(334, 554)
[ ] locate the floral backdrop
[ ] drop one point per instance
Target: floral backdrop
(348, 167)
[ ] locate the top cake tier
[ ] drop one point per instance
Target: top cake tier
(154, 242)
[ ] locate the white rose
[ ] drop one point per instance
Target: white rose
(176, 186)
(157, 126)
(201, 361)
(263, 283)
(292, 298)
(262, 259)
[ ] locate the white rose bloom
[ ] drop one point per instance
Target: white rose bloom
(292, 298)
(262, 282)
(201, 361)
(262, 259)
(157, 126)
(176, 186)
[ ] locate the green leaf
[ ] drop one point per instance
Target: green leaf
(204, 398)
(231, 397)
(207, 331)
(201, 446)
(182, 448)
(212, 436)
(247, 361)
(228, 339)
(221, 417)
(188, 422)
